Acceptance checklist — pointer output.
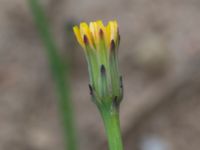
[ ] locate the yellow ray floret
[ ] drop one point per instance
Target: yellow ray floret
(78, 36)
(93, 33)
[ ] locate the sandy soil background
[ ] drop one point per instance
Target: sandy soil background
(159, 60)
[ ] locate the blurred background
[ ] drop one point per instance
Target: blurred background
(159, 59)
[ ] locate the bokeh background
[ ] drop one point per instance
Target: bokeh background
(159, 59)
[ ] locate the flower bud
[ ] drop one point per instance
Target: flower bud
(100, 44)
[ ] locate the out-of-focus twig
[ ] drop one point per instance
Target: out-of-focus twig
(60, 73)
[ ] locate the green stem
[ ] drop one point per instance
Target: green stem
(60, 74)
(112, 127)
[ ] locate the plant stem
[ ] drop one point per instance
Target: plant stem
(60, 73)
(112, 127)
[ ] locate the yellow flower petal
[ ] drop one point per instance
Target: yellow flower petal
(115, 30)
(92, 32)
(100, 25)
(78, 36)
(111, 30)
(84, 30)
(108, 37)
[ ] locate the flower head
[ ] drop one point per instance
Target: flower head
(93, 33)
(100, 44)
